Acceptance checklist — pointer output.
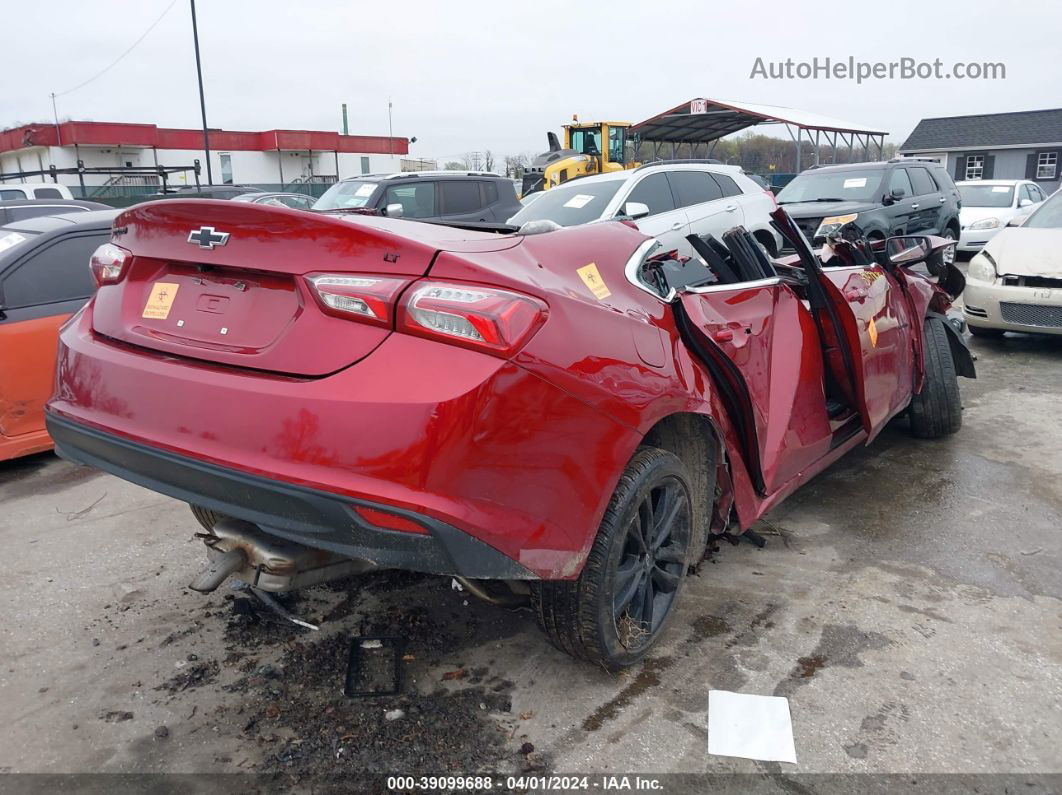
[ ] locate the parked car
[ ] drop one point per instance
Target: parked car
(666, 200)
(15, 191)
(526, 200)
(988, 205)
(564, 417)
(205, 192)
(296, 201)
(897, 197)
(1015, 281)
(43, 280)
(453, 196)
(21, 209)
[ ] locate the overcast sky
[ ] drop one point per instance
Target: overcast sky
(497, 75)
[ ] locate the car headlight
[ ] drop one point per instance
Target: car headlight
(832, 223)
(984, 223)
(982, 268)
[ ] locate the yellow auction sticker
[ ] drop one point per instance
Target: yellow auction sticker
(161, 300)
(592, 279)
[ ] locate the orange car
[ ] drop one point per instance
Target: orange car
(44, 278)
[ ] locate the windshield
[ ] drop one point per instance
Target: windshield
(352, 193)
(570, 205)
(986, 195)
(587, 141)
(854, 185)
(1048, 215)
(9, 240)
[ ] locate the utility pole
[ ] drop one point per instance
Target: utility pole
(345, 132)
(55, 115)
(390, 131)
(202, 98)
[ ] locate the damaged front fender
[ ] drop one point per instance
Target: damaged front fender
(960, 352)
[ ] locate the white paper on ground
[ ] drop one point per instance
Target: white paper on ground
(751, 727)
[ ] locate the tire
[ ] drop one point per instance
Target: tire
(991, 333)
(580, 616)
(937, 410)
(949, 253)
(206, 517)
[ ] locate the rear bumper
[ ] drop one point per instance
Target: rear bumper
(307, 516)
(446, 435)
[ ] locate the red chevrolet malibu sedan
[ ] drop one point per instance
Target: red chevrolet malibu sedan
(564, 417)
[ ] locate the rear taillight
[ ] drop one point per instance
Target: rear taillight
(108, 264)
(370, 299)
(770, 194)
(484, 318)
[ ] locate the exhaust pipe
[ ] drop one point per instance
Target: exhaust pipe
(219, 569)
(263, 561)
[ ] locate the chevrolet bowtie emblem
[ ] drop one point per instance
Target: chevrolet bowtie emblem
(208, 237)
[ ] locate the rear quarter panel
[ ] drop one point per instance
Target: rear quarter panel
(617, 351)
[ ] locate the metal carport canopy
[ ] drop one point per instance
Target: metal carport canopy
(701, 120)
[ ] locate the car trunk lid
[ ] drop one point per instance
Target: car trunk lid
(225, 282)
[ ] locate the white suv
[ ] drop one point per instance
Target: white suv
(20, 191)
(667, 200)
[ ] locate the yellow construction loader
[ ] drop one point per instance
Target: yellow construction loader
(589, 148)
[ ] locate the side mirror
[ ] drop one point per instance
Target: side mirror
(394, 210)
(893, 196)
(636, 210)
(1025, 203)
(907, 250)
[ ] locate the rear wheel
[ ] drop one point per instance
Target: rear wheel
(206, 517)
(995, 333)
(617, 608)
(937, 410)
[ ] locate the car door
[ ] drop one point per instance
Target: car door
(761, 345)
(1032, 194)
(666, 221)
(876, 321)
(38, 291)
(928, 206)
(462, 200)
(708, 211)
(903, 210)
(418, 199)
(865, 323)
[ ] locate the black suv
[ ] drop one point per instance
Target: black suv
(453, 196)
(897, 197)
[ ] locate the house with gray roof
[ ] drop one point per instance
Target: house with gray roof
(1024, 145)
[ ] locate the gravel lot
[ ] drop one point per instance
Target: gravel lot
(907, 604)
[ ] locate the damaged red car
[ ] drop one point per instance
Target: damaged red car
(564, 417)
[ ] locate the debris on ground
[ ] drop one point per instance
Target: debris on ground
(116, 716)
(191, 676)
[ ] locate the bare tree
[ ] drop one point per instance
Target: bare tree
(473, 161)
(515, 165)
(455, 165)
(488, 161)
